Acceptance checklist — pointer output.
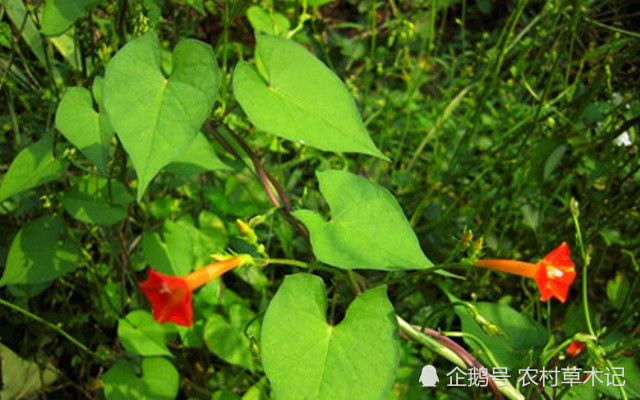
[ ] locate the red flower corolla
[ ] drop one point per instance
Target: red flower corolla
(553, 274)
(170, 296)
(575, 348)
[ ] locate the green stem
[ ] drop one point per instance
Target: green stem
(432, 344)
(284, 261)
(585, 262)
(555, 351)
(49, 324)
(623, 391)
(479, 342)
(353, 281)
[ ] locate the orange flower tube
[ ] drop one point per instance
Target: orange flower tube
(553, 274)
(170, 296)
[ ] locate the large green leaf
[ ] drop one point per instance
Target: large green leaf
(293, 95)
(367, 230)
(23, 379)
(87, 129)
(141, 334)
(306, 358)
(33, 166)
(97, 200)
(59, 15)
(519, 333)
(159, 380)
(229, 339)
(155, 117)
(39, 254)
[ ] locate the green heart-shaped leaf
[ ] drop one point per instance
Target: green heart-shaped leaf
(33, 166)
(141, 334)
(88, 130)
(306, 358)
(157, 118)
(368, 229)
(39, 254)
(228, 340)
(293, 95)
(159, 380)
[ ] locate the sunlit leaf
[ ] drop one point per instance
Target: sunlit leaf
(158, 117)
(367, 230)
(87, 129)
(292, 94)
(307, 358)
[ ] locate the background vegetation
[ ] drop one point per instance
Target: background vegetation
(494, 115)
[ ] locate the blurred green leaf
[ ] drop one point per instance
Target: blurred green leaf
(39, 253)
(484, 6)
(521, 333)
(23, 379)
(225, 395)
(97, 200)
(318, 3)
(159, 380)
(187, 246)
(141, 334)
(368, 229)
(307, 358)
(33, 166)
(25, 26)
(630, 378)
(271, 23)
(574, 320)
(59, 15)
(229, 339)
(157, 255)
(618, 289)
(553, 161)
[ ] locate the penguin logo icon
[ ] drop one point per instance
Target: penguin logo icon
(429, 376)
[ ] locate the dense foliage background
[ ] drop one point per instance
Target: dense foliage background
(495, 115)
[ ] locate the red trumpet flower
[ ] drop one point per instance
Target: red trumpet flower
(575, 348)
(170, 296)
(553, 274)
